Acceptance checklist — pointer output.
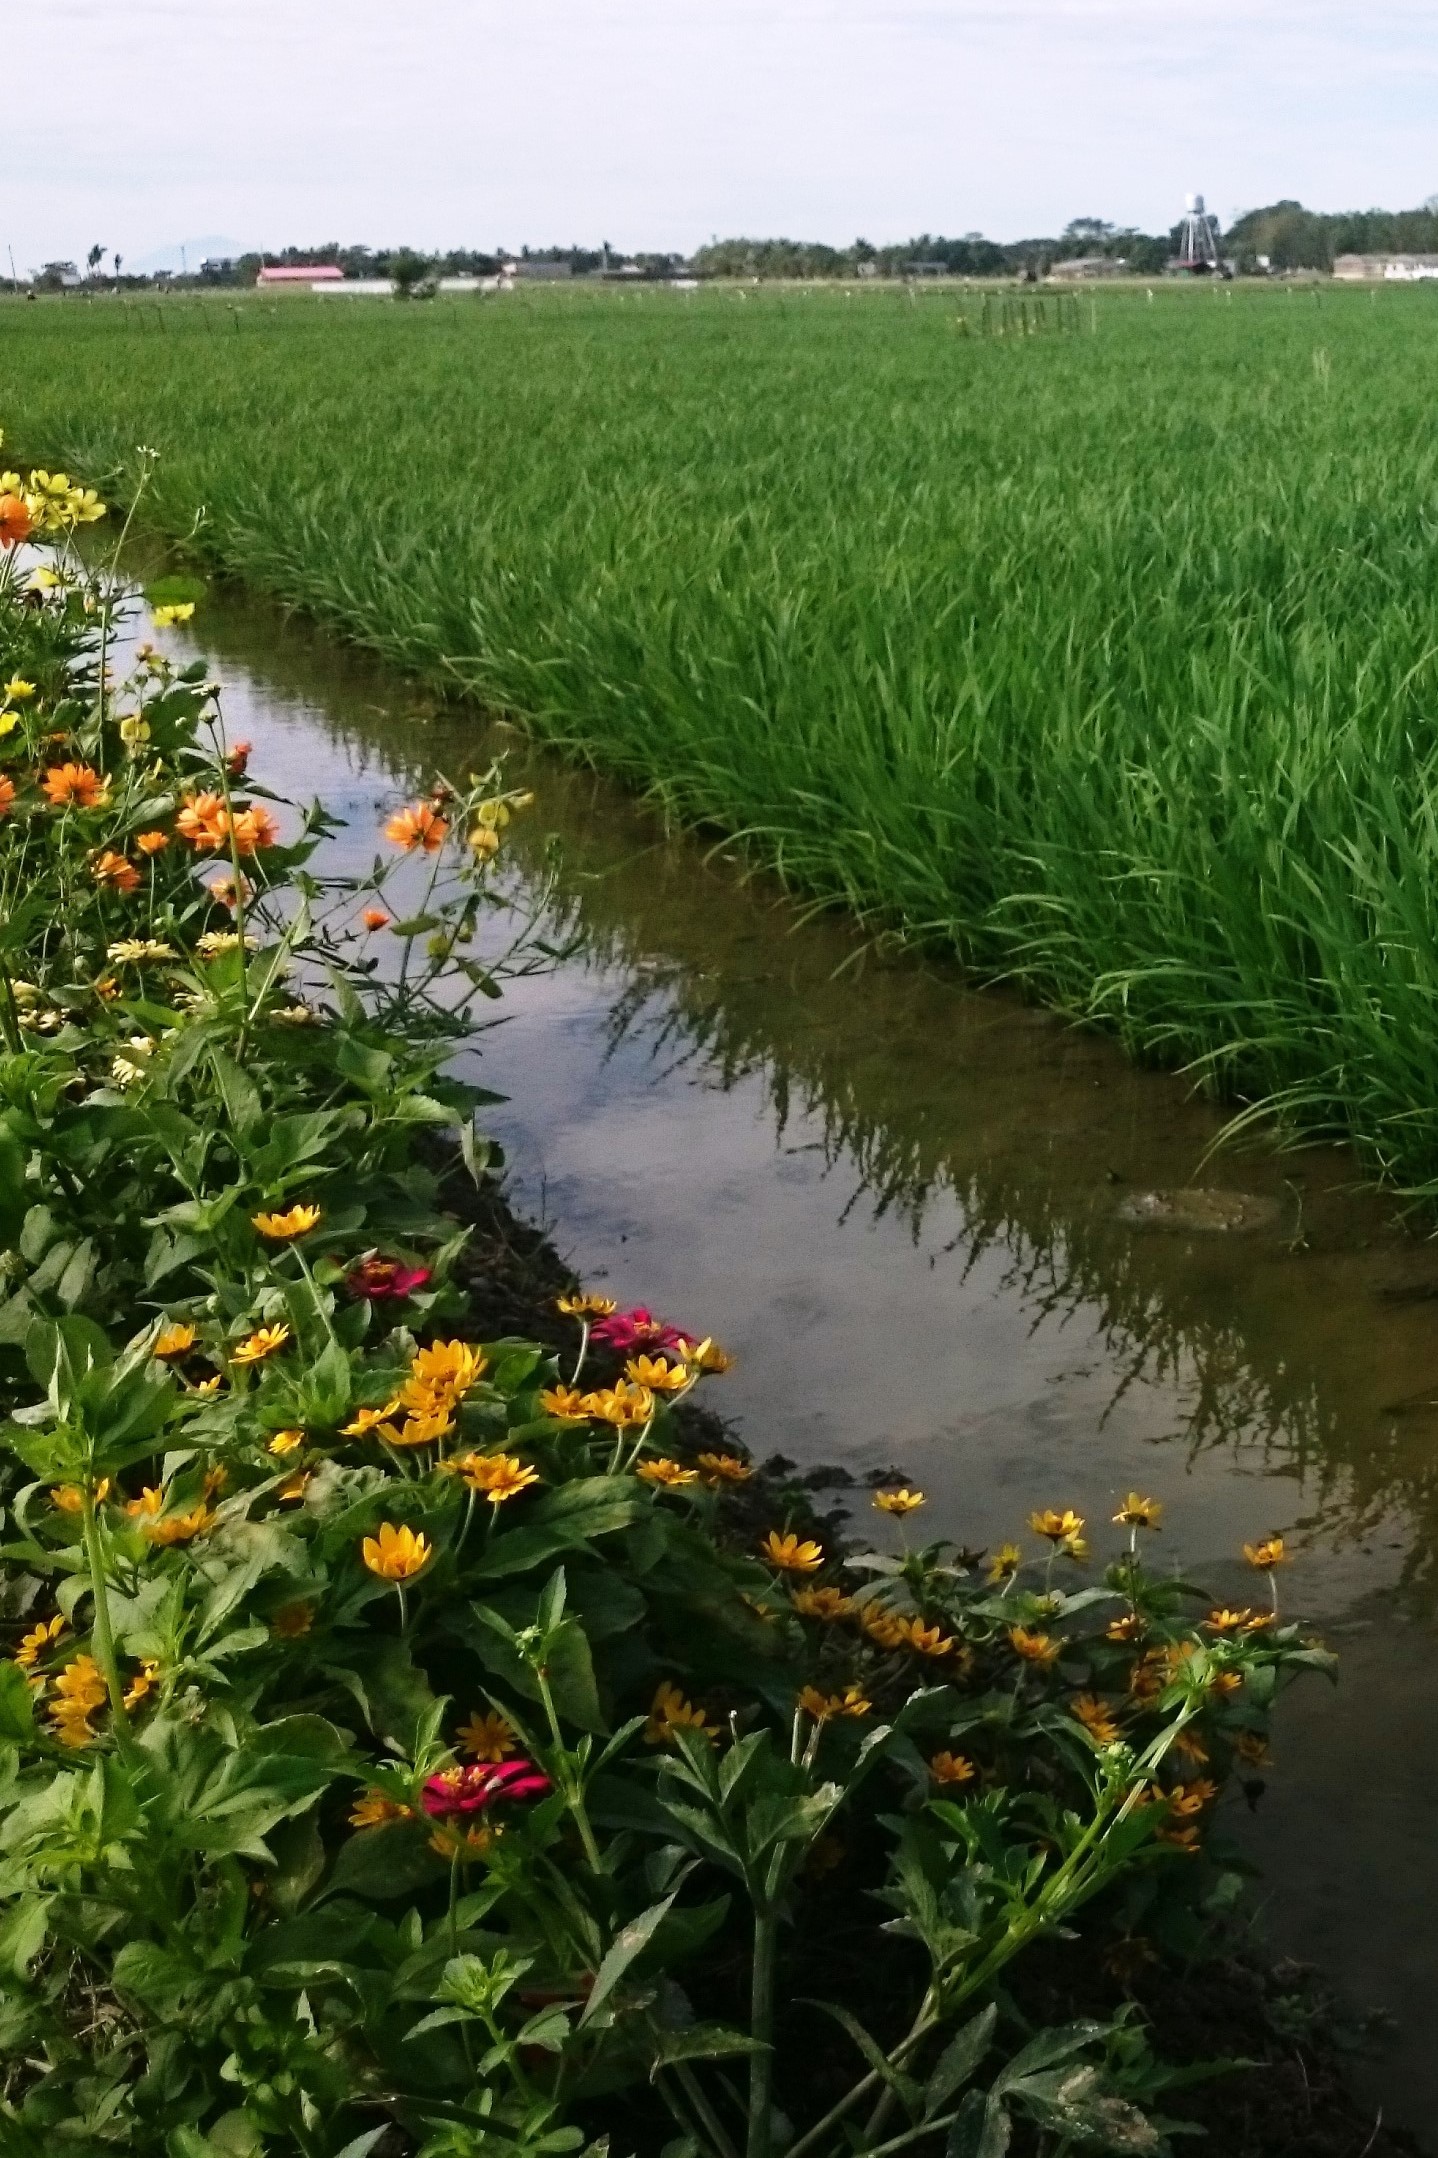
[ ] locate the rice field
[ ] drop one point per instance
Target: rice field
(1104, 657)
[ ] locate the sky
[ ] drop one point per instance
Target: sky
(661, 123)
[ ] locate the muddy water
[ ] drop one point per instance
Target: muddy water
(926, 1222)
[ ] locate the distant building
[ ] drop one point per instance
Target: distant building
(302, 273)
(1393, 269)
(536, 272)
(354, 288)
(1079, 267)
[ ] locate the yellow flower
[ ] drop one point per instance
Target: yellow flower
(949, 1767)
(149, 1505)
(882, 1626)
(823, 1706)
(425, 1429)
(621, 1405)
(285, 1442)
(1096, 1718)
(585, 1307)
(483, 840)
(264, 1341)
(1005, 1563)
(670, 1712)
(666, 1472)
(898, 1502)
(828, 1604)
(80, 1690)
(293, 1489)
(1058, 1527)
(395, 1554)
(1035, 1648)
(496, 1477)
(1225, 1621)
(564, 1403)
(1138, 1512)
(928, 1640)
(17, 691)
(792, 1554)
(366, 1420)
(373, 1808)
(70, 1499)
(657, 1373)
(441, 1375)
(283, 1228)
(486, 1738)
(144, 1682)
(38, 1640)
(1127, 1628)
(706, 1356)
(474, 1840)
(1266, 1555)
(292, 1620)
(724, 1469)
(175, 1340)
(181, 1528)
(166, 617)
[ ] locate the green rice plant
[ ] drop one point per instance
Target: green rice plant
(1107, 662)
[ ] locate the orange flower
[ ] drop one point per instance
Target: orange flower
(252, 829)
(1266, 1555)
(417, 826)
(949, 1767)
(565, 1404)
(264, 1341)
(203, 821)
(657, 1372)
(898, 1502)
(829, 1604)
(666, 1472)
(152, 842)
(372, 1809)
(724, 1469)
(1036, 1648)
(15, 521)
(284, 1228)
(487, 1738)
(77, 786)
(375, 918)
(1096, 1718)
(7, 790)
(175, 1340)
(114, 871)
(670, 1712)
(821, 1706)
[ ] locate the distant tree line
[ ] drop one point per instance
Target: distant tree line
(1293, 238)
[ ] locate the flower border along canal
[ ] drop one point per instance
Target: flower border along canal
(418, 1743)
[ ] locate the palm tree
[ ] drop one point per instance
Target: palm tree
(93, 259)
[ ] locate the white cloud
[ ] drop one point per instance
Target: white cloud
(661, 121)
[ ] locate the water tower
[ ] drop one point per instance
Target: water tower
(1197, 241)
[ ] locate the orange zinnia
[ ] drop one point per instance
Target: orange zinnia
(152, 842)
(203, 821)
(418, 826)
(252, 829)
(7, 795)
(77, 784)
(15, 521)
(113, 870)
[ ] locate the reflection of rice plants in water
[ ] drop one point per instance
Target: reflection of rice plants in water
(1108, 660)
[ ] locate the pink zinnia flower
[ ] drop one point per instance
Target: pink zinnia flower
(474, 1790)
(627, 1331)
(385, 1280)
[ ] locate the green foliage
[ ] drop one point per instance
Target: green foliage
(408, 1745)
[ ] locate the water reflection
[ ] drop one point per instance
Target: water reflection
(902, 1204)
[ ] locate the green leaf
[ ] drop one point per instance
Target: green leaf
(570, 1669)
(17, 1704)
(702, 2042)
(982, 2130)
(959, 2060)
(240, 1095)
(629, 1942)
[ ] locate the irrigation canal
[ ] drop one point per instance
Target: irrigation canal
(925, 1220)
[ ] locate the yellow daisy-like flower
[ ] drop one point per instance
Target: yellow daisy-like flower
(565, 1404)
(292, 1621)
(79, 1690)
(949, 1767)
(1096, 1717)
(149, 1505)
(792, 1554)
(1058, 1527)
(586, 1307)
(264, 1341)
(373, 1808)
(884, 1627)
(706, 1356)
(285, 1442)
(1034, 1648)
(657, 1373)
(828, 1604)
(133, 951)
(823, 1706)
(670, 1712)
(396, 1553)
(1225, 1621)
(283, 1228)
(181, 1528)
(175, 1340)
(70, 1499)
(927, 1640)
(622, 1405)
(488, 1737)
(166, 617)
(899, 1502)
(724, 1469)
(367, 1420)
(143, 1683)
(1004, 1564)
(17, 691)
(446, 1370)
(1266, 1555)
(475, 1840)
(667, 1473)
(35, 1643)
(1138, 1512)
(496, 1477)
(426, 1429)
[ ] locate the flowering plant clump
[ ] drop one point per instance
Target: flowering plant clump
(423, 1744)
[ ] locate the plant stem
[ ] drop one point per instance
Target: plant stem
(103, 1632)
(761, 2028)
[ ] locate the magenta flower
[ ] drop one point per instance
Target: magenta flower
(626, 1331)
(476, 1789)
(385, 1280)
